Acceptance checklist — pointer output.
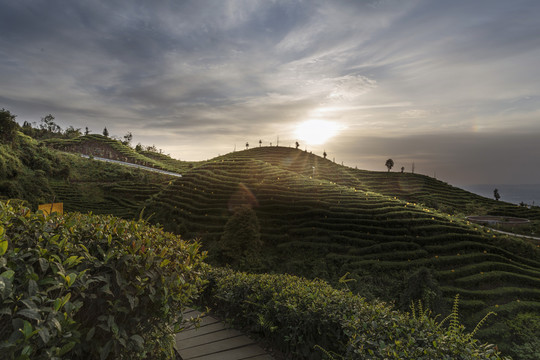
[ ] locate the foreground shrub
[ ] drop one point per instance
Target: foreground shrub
(91, 287)
(308, 319)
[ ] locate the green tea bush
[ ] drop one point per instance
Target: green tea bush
(308, 319)
(91, 287)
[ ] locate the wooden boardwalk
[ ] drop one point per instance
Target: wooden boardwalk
(213, 340)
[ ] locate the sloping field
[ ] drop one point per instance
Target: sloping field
(98, 145)
(320, 219)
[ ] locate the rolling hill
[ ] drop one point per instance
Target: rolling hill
(320, 219)
(316, 219)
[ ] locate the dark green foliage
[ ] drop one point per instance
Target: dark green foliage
(8, 126)
(91, 287)
(496, 194)
(389, 164)
(311, 320)
(422, 286)
(524, 335)
(241, 240)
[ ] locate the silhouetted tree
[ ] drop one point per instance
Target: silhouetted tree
(389, 164)
(247, 145)
(324, 154)
(105, 132)
(138, 147)
(496, 194)
(48, 125)
(127, 138)
(260, 143)
(402, 169)
(86, 131)
(8, 126)
(297, 144)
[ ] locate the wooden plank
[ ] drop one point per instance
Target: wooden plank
(188, 333)
(215, 347)
(261, 357)
(190, 312)
(207, 338)
(214, 340)
(205, 320)
(245, 352)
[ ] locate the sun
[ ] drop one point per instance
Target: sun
(316, 132)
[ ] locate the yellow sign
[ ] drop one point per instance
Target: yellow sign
(51, 208)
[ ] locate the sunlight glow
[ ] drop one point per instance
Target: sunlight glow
(316, 132)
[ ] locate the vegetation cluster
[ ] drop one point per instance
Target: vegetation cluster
(85, 286)
(309, 319)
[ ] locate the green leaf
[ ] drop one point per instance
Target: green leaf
(104, 351)
(32, 314)
(5, 311)
(138, 340)
(44, 334)
(27, 329)
(67, 348)
(8, 274)
(57, 304)
(56, 324)
(43, 264)
(54, 239)
(32, 287)
(3, 247)
(90, 333)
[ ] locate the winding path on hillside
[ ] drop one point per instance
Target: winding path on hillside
(213, 340)
(132, 165)
(517, 235)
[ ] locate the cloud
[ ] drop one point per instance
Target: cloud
(193, 74)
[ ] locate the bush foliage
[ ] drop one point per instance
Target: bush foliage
(309, 319)
(91, 287)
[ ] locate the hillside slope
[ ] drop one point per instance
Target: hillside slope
(38, 174)
(320, 219)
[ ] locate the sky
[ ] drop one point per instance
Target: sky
(451, 86)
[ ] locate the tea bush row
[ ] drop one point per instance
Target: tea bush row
(91, 287)
(308, 319)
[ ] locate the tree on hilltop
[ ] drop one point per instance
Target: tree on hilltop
(48, 125)
(247, 145)
(496, 194)
(105, 132)
(260, 143)
(8, 126)
(127, 138)
(324, 154)
(389, 164)
(297, 144)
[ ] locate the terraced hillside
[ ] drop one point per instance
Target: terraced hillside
(320, 219)
(99, 145)
(38, 175)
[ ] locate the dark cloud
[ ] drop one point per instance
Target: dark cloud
(198, 77)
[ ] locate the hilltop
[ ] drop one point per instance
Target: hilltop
(319, 219)
(398, 236)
